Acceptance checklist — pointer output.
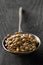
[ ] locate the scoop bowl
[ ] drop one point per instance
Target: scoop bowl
(37, 39)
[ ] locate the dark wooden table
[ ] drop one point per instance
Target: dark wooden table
(32, 22)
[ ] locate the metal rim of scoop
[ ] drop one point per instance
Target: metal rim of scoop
(36, 37)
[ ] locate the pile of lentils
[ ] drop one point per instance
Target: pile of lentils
(19, 42)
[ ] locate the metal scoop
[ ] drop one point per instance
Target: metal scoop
(20, 30)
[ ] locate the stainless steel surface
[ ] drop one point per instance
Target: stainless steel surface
(20, 19)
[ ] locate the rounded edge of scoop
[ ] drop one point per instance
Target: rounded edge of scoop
(38, 40)
(3, 41)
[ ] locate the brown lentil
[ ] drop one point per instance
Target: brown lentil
(19, 42)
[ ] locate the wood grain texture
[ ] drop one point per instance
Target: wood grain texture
(32, 22)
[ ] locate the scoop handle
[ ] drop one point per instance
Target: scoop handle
(20, 19)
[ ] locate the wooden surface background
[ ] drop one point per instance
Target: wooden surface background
(32, 22)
